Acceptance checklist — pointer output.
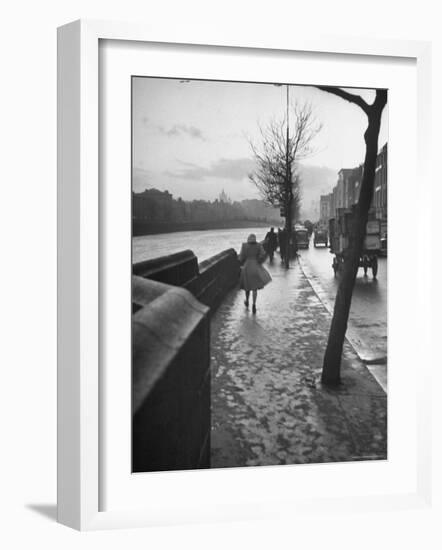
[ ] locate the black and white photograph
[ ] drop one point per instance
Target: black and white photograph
(221, 278)
(259, 274)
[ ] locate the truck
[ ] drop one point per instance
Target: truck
(302, 236)
(340, 228)
(320, 236)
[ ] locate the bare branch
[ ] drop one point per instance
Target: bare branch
(352, 98)
(277, 156)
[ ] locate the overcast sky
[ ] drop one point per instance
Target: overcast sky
(191, 137)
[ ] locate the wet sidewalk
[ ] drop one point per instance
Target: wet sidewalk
(268, 406)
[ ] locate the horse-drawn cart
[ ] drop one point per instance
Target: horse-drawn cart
(340, 229)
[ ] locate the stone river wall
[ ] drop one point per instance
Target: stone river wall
(172, 298)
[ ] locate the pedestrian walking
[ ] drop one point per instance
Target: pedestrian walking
(294, 246)
(271, 243)
(282, 237)
(253, 275)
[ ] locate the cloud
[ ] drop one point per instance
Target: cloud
(229, 169)
(182, 130)
(141, 179)
(187, 164)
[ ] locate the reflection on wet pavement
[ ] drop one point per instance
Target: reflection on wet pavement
(267, 404)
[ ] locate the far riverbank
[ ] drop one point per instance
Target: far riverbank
(141, 228)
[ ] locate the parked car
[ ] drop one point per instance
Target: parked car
(320, 237)
(302, 237)
(383, 251)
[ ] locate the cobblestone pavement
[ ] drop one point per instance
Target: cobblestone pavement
(268, 406)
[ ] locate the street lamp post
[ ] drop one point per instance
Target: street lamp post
(288, 191)
(288, 185)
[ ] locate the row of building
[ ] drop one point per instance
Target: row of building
(153, 205)
(346, 192)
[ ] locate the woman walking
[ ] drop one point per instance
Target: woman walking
(253, 275)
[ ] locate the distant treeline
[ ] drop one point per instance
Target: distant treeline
(155, 211)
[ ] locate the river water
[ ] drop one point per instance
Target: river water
(204, 244)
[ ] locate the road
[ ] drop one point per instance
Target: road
(368, 315)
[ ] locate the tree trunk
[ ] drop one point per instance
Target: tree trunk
(289, 218)
(332, 359)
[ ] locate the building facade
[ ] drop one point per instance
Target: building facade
(380, 198)
(325, 204)
(346, 192)
(152, 204)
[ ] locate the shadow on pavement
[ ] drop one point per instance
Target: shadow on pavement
(48, 511)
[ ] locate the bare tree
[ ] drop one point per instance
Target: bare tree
(277, 158)
(332, 359)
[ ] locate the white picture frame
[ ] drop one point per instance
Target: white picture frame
(79, 272)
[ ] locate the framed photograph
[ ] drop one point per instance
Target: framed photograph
(232, 270)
